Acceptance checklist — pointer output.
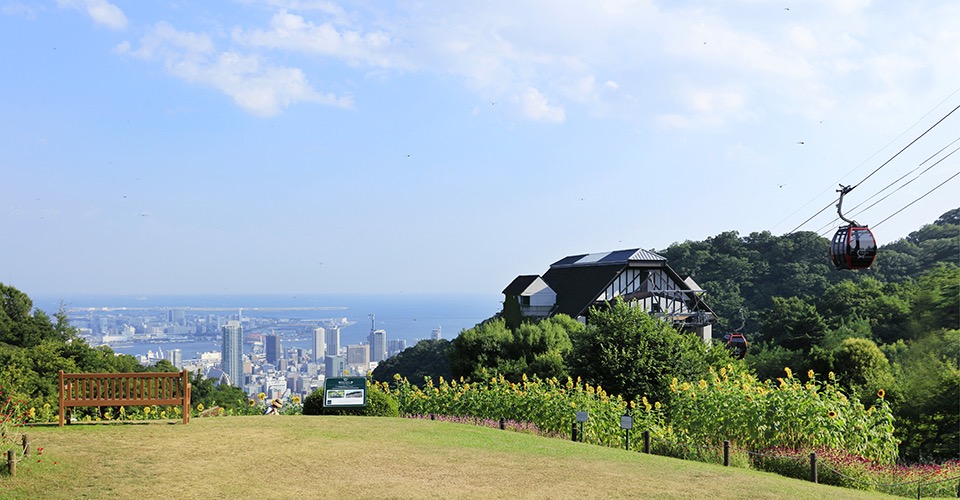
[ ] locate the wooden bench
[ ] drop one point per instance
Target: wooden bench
(125, 389)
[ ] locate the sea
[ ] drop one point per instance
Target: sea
(404, 316)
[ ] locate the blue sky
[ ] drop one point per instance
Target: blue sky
(284, 146)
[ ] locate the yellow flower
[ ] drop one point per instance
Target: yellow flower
(703, 384)
(163, 414)
(46, 406)
(789, 371)
(810, 374)
(723, 371)
(831, 376)
(261, 396)
(123, 411)
(633, 404)
(147, 410)
(831, 414)
(33, 412)
(251, 402)
(296, 399)
(200, 405)
(656, 405)
(880, 394)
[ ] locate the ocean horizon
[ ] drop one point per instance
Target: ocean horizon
(404, 316)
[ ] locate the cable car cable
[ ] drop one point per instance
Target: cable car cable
(832, 222)
(881, 166)
(895, 139)
(907, 146)
(918, 199)
(908, 182)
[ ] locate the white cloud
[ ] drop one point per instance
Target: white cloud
(292, 32)
(536, 107)
(256, 86)
(101, 11)
(634, 59)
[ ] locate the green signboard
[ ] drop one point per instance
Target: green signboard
(345, 392)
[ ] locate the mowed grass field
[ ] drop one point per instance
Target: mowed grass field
(363, 457)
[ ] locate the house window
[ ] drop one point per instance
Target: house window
(524, 300)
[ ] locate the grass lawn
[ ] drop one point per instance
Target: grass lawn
(363, 457)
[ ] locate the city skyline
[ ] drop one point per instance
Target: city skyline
(281, 146)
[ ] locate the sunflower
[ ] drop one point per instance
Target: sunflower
(881, 393)
(199, 406)
(296, 399)
(251, 402)
(831, 414)
(261, 396)
(147, 410)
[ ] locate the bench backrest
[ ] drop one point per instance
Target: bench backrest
(125, 389)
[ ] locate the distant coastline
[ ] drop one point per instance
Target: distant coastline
(404, 316)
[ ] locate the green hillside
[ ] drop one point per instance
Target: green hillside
(357, 457)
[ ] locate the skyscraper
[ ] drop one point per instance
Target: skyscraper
(358, 355)
(232, 353)
(274, 351)
(319, 344)
(175, 357)
(333, 341)
(378, 345)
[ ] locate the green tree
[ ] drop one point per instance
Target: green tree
(204, 390)
(937, 301)
(632, 354)
(534, 348)
(794, 324)
(928, 374)
(427, 358)
(863, 369)
(481, 347)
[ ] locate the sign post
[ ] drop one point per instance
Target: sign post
(345, 392)
(626, 423)
(582, 417)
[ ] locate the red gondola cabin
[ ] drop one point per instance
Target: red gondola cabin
(853, 247)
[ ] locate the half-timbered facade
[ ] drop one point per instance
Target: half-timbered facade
(576, 283)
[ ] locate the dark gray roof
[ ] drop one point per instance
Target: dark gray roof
(620, 257)
(519, 284)
(579, 280)
(577, 287)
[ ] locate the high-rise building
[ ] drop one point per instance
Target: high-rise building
(319, 344)
(175, 357)
(395, 346)
(335, 366)
(232, 352)
(177, 316)
(358, 355)
(378, 345)
(274, 351)
(333, 341)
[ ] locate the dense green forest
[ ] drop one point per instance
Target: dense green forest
(893, 328)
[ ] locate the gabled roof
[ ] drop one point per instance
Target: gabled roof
(519, 284)
(619, 257)
(578, 286)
